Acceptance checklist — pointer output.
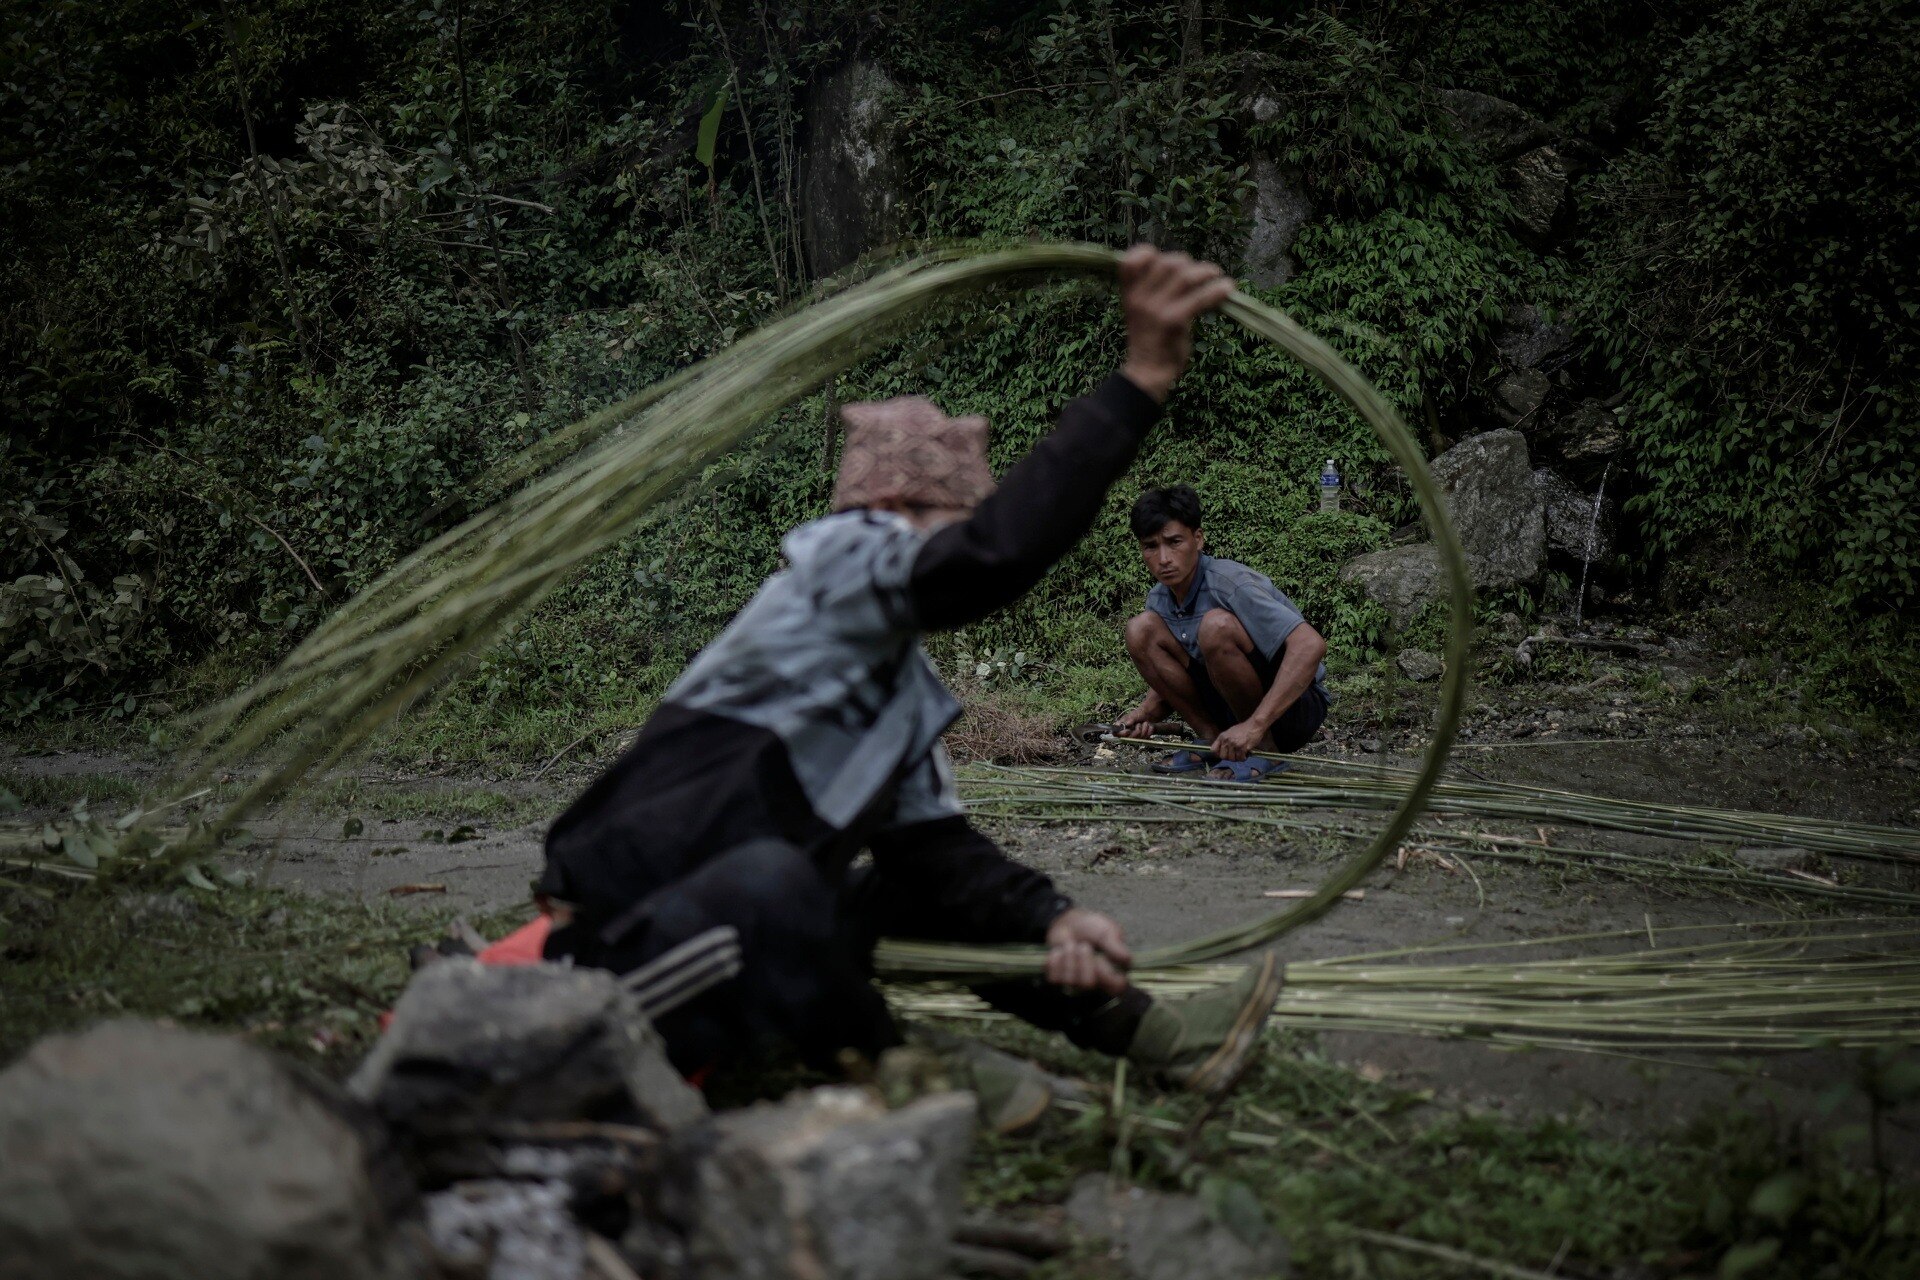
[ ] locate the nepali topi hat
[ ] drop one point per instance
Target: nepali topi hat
(907, 450)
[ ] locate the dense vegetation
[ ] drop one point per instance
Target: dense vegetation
(283, 279)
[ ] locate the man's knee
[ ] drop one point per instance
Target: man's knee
(1221, 633)
(1144, 631)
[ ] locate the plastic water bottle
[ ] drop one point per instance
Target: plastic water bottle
(1329, 488)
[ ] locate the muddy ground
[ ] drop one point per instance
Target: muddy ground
(473, 842)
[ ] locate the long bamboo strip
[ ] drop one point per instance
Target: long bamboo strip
(1723, 995)
(431, 616)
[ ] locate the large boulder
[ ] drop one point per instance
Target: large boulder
(852, 175)
(1402, 580)
(1519, 396)
(472, 1042)
(138, 1150)
(1538, 181)
(827, 1185)
(1281, 207)
(1497, 508)
(1587, 435)
(1495, 125)
(1577, 525)
(492, 1229)
(1526, 338)
(1156, 1236)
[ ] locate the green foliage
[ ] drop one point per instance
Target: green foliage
(1757, 298)
(281, 281)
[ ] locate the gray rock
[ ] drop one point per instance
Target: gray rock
(1487, 481)
(1281, 207)
(1402, 580)
(525, 1042)
(1518, 396)
(853, 173)
(1156, 1236)
(827, 1185)
(1418, 665)
(137, 1150)
(1777, 859)
(1538, 181)
(1497, 126)
(1526, 338)
(493, 1230)
(1574, 528)
(1587, 433)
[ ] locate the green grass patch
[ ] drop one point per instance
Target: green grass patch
(63, 791)
(1321, 1150)
(303, 974)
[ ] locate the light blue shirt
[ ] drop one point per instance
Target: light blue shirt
(1249, 595)
(828, 657)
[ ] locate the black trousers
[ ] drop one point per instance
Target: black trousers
(806, 940)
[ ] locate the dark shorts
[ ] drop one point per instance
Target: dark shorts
(1297, 724)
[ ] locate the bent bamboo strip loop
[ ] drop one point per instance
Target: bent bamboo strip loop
(431, 616)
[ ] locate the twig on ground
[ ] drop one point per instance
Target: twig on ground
(1031, 1239)
(561, 754)
(986, 1262)
(1445, 1253)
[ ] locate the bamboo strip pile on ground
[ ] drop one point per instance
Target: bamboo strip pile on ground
(1777, 985)
(1303, 805)
(1378, 785)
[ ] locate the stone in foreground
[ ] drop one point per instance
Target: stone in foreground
(503, 1230)
(1418, 665)
(471, 1042)
(1402, 580)
(827, 1185)
(139, 1150)
(1155, 1236)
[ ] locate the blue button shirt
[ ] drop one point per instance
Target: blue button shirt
(1247, 594)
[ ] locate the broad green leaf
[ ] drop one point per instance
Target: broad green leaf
(710, 129)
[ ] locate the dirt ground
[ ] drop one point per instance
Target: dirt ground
(474, 843)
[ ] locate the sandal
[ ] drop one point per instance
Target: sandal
(1184, 761)
(1252, 769)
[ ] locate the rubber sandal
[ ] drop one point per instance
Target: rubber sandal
(1252, 769)
(1184, 761)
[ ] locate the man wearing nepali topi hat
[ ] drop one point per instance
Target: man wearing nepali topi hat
(810, 731)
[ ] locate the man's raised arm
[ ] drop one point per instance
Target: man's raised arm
(1049, 499)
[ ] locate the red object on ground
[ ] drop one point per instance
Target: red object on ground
(522, 946)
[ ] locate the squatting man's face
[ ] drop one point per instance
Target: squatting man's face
(1172, 553)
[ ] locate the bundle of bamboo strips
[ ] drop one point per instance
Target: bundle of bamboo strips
(1317, 782)
(1775, 985)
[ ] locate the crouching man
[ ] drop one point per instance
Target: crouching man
(809, 732)
(1222, 647)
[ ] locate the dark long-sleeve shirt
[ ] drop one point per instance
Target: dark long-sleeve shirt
(1044, 505)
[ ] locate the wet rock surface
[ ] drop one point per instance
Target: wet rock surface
(1526, 337)
(828, 1183)
(1418, 665)
(531, 1042)
(1519, 396)
(1500, 128)
(139, 1150)
(1580, 525)
(1156, 1236)
(1487, 481)
(1402, 580)
(852, 178)
(1538, 181)
(1281, 207)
